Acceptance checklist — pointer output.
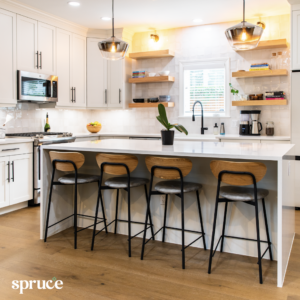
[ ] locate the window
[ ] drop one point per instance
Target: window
(208, 82)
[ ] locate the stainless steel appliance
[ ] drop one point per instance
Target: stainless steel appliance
(256, 127)
(41, 138)
(35, 87)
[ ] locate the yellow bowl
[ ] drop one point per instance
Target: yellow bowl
(94, 129)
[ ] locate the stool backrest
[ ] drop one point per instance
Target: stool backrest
(259, 171)
(184, 164)
(75, 157)
(130, 161)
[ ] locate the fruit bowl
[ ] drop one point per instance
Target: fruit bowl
(94, 127)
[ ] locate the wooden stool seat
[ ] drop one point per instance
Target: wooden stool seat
(174, 187)
(81, 179)
(242, 193)
(121, 182)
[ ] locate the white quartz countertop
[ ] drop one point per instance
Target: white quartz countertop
(180, 148)
(14, 141)
(191, 137)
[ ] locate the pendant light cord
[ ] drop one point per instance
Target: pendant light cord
(113, 19)
(243, 11)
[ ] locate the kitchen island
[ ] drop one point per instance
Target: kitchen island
(279, 180)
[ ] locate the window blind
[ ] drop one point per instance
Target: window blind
(207, 86)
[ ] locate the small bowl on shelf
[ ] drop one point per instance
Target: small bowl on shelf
(164, 98)
(93, 129)
(164, 73)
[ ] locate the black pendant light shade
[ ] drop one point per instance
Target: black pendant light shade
(244, 36)
(113, 48)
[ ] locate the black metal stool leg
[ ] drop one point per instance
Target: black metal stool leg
(146, 222)
(165, 219)
(129, 224)
(75, 217)
(49, 203)
(201, 222)
(258, 239)
(96, 215)
(103, 212)
(151, 224)
(224, 224)
(267, 229)
(117, 207)
(213, 235)
(182, 231)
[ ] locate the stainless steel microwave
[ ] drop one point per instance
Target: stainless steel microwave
(35, 87)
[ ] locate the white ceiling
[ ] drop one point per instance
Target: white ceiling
(141, 15)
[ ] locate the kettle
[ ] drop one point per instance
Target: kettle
(256, 127)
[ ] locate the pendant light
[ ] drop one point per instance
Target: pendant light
(113, 48)
(244, 36)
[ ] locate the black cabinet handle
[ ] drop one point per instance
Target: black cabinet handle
(119, 95)
(74, 94)
(12, 149)
(40, 60)
(37, 59)
(8, 165)
(105, 96)
(13, 171)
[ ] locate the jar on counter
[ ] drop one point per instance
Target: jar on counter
(270, 128)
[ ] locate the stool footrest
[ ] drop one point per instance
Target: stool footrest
(89, 226)
(139, 233)
(198, 238)
(61, 220)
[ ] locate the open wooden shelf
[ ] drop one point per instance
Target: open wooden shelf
(267, 73)
(146, 104)
(152, 79)
(152, 54)
(272, 44)
(259, 102)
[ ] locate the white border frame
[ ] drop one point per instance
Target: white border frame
(192, 64)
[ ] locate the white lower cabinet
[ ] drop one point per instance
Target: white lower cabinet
(16, 177)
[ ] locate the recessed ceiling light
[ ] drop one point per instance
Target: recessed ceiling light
(73, 3)
(106, 18)
(197, 21)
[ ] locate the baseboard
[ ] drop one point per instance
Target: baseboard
(11, 208)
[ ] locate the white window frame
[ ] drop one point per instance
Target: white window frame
(214, 63)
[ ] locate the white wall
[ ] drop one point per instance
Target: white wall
(207, 41)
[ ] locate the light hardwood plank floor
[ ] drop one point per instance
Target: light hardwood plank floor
(108, 272)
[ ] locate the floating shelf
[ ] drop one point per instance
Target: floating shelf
(140, 105)
(152, 54)
(248, 74)
(152, 79)
(272, 44)
(259, 102)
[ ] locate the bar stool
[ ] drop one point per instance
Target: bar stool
(164, 168)
(238, 175)
(118, 164)
(70, 162)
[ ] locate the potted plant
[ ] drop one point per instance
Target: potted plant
(234, 92)
(167, 136)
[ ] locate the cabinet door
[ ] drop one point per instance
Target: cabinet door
(46, 49)
(296, 40)
(27, 58)
(63, 56)
(96, 75)
(116, 83)
(21, 184)
(4, 181)
(78, 69)
(7, 58)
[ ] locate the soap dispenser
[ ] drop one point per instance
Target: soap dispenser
(216, 129)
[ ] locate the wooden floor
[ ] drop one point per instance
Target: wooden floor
(108, 273)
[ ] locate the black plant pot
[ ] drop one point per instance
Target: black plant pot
(167, 137)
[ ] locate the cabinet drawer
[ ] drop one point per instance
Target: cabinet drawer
(16, 149)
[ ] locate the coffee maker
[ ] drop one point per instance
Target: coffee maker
(255, 127)
(249, 124)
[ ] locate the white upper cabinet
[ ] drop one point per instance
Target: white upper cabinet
(46, 48)
(27, 53)
(296, 40)
(63, 59)
(96, 76)
(7, 58)
(107, 81)
(79, 70)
